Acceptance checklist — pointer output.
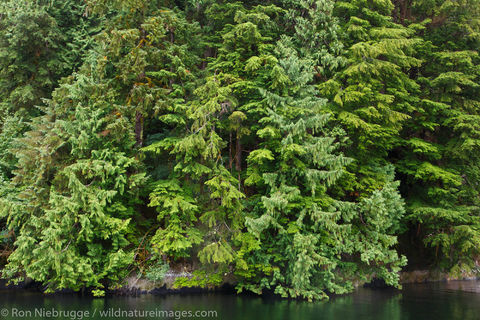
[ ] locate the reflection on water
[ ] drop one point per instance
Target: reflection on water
(439, 301)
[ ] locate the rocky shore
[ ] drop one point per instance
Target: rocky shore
(136, 286)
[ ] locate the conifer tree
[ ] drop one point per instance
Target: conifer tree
(76, 187)
(40, 41)
(74, 191)
(30, 64)
(200, 202)
(308, 242)
(249, 141)
(439, 156)
(38, 47)
(372, 96)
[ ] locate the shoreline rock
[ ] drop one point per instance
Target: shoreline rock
(138, 286)
(424, 276)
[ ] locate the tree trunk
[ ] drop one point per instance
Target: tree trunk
(139, 128)
(238, 155)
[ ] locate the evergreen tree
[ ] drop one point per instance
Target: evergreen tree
(74, 191)
(200, 201)
(30, 65)
(439, 156)
(40, 41)
(76, 186)
(308, 242)
(249, 141)
(372, 96)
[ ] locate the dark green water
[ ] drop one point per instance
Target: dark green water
(439, 301)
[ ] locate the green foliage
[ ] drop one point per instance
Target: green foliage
(283, 145)
(30, 64)
(309, 242)
(157, 272)
(199, 279)
(439, 153)
(37, 47)
(372, 96)
(178, 210)
(73, 205)
(98, 293)
(207, 191)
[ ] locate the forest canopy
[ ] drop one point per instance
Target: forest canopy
(287, 146)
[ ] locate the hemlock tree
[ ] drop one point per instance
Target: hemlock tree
(76, 186)
(372, 96)
(30, 66)
(308, 242)
(40, 41)
(154, 64)
(30, 63)
(74, 191)
(200, 203)
(440, 151)
(37, 48)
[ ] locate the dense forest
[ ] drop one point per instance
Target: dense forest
(290, 146)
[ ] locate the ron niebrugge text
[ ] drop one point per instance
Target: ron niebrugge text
(106, 313)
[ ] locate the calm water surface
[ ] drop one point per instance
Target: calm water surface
(439, 301)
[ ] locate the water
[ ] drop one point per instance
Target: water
(439, 301)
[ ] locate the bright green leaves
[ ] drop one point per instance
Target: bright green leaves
(303, 166)
(260, 156)
(180, 205)
(199, 164)
(207, 155)
(217, 252)
(178, 212)
(372, 96)
(224, 188)
(176, 240)
(199, 278)
(76, 185)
